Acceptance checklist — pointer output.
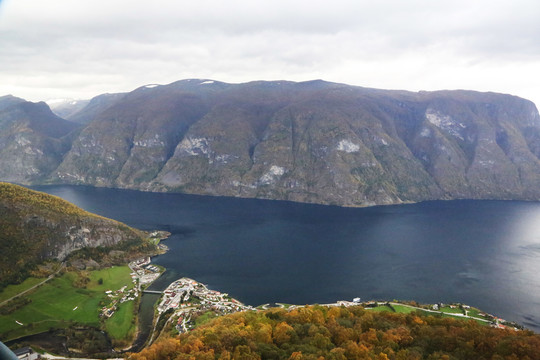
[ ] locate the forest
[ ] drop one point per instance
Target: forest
(317, 332)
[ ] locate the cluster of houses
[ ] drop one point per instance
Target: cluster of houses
(451, 306)
(187, 296)
(119, 296)
(143, 272)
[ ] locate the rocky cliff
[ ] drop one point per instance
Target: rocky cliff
(33, 140)
(35, 226)
(312, 142)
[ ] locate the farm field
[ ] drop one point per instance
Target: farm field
(72, 298)
(12, 290)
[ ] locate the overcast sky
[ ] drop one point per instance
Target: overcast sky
(81, 48)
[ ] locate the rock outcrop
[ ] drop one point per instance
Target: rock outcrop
(33, 140)
(313, 141)
(35, 226)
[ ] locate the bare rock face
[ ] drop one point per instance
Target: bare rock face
(32, 140)
(36, 226)
(314, 142)
(89, 233)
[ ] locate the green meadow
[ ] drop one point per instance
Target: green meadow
(62, 302)
(12, 290)
(122, 324)
(444, 312)
(394, 308)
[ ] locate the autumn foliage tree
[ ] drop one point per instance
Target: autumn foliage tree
(317, 332)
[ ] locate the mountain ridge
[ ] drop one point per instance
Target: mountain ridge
(311, 141)
(36, 227)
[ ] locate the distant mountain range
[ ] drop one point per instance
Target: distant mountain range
(312, 141)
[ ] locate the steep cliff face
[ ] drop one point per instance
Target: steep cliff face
(477, 145)
(36, 226)
(32, 140)
(313, 142)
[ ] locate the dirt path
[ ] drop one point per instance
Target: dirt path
(55, 357)
(33, 287)
(441, 312)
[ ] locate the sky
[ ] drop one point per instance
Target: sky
(81, 48)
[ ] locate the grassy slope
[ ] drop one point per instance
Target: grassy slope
(27, 201)
(445, 312)
(12, 290)
(32, 223)
(122, 325)
(53, 303)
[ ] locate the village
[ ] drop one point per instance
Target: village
(187, 297)
(142, 274)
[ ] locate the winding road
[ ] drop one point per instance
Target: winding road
(33, 287)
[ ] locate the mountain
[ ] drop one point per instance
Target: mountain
(65, 108)
(311, 141)
(33, 140)
(9, 100)
(93, 107)
(82, 111)
(35, 227)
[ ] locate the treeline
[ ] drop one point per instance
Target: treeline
(317, 332)
(26, 201)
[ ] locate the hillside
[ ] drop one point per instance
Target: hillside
(312, 141)
(33, 140)
(318, 332)
(35, 227)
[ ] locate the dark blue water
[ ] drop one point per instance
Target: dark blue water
(482, 253)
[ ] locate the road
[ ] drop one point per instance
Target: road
(419, 308)
(441, 312)
(33, 287)
(55, 357)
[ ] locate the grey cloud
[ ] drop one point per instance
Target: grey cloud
(64, 46)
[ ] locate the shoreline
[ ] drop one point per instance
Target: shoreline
(174, 298)
(183, 315)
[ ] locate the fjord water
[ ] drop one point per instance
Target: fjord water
(482, 253)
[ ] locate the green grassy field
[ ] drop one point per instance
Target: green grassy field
(121, 324)
(113, 279)
(204, 318)
(446, 312)
(450, 310)
(476, 313)
(403, 309)
(397, 308)
(12, 290)
(58, 304)
(381, 308)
